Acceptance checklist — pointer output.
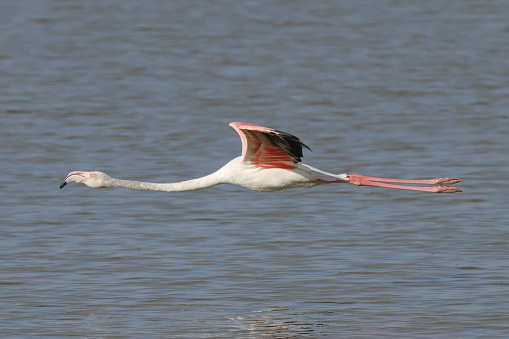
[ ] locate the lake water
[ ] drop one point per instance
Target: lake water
(145, 90)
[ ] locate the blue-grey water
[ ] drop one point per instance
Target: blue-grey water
(145, 90)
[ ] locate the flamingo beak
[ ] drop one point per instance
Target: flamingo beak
(75, 176)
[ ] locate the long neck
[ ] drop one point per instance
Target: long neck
(188, 185)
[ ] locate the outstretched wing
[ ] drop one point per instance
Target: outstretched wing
(267, 147)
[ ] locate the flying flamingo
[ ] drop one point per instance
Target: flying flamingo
(270, 161)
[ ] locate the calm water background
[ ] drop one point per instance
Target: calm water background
(145, 90)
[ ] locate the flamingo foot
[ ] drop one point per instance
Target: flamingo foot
(447, 181)
(445, 189)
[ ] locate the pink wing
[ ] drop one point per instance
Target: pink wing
(267, 147)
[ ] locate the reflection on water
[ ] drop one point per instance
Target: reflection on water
(276, 323)
(145, 90)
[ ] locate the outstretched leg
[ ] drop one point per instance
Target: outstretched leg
(361, 180)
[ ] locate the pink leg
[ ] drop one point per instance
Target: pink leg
(361, 180)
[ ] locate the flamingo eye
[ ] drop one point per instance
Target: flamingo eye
(92, 175)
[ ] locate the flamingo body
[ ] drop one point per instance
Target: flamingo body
(268, 179)
(270, 161)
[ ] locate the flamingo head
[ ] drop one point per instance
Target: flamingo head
(93, 179)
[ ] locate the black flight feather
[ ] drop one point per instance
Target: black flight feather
(290, 143)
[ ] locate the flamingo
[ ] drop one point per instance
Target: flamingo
(270, 161)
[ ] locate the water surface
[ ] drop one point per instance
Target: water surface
(145, 90)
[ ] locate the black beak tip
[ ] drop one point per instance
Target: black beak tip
(62, 184)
